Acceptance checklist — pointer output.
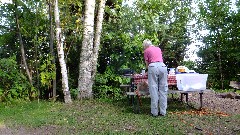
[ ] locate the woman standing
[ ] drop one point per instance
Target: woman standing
(157, 78)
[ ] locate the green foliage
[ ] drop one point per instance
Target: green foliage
(48, 73)
(13, 84)
(191, 65)
(34, 27)
(227, 91)
(220, 55)
(106, 86)
(74, 93)
(125, 28)
(34, 23)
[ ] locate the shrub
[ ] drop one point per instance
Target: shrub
(13, 84)
(106, 86)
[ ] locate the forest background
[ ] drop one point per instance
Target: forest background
(30, 62)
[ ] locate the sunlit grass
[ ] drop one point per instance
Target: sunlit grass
(97, 117)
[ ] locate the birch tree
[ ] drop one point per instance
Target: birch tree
(65, 88)
(97, 37)
(90, 48)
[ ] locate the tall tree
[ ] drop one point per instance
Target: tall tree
(51, 46)
(65, 88)
(90, 48)
(21, 43)
(220, 55)
(85, 66)
(97, 37)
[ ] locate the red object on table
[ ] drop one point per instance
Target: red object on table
(141, 78)
(172, 79)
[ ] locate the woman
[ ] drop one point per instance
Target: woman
(157, 78)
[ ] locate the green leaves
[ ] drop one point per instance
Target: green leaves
(13, 85)
(163, 22)
(47, 72)
(220, 56)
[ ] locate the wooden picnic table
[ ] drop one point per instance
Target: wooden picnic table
(138, 78)
(172, 83)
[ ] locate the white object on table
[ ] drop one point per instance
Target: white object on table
(143, 71)
(171, 71)
(191, 82)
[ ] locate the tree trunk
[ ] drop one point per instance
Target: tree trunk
(97, 37)
(21, 43)
(36, 44)
(85, 65)
(220, 66)
(65, 88)
(51, 47)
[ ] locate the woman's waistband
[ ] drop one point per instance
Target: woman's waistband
(157, 62)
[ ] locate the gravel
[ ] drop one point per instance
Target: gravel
(212, 101)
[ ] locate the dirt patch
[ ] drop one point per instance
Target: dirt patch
(47, 130)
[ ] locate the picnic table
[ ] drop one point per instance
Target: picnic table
(137, 78)
(235, 84)
(172, 83)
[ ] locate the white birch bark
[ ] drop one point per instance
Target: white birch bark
(85, 65)
(97, 37)
(65, 88)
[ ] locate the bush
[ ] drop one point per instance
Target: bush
(107, 86)
(13, 84)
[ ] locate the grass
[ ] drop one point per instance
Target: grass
(116, 117)
(227, 90)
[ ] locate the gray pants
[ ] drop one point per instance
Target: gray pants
(158, 87)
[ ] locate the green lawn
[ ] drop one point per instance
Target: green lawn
(116, 117)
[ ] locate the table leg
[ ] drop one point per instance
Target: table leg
(136, 106)
(186, 97)
(137, 110)
(132, 90)
(182, 97)
(201, 93)
(186, 94)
